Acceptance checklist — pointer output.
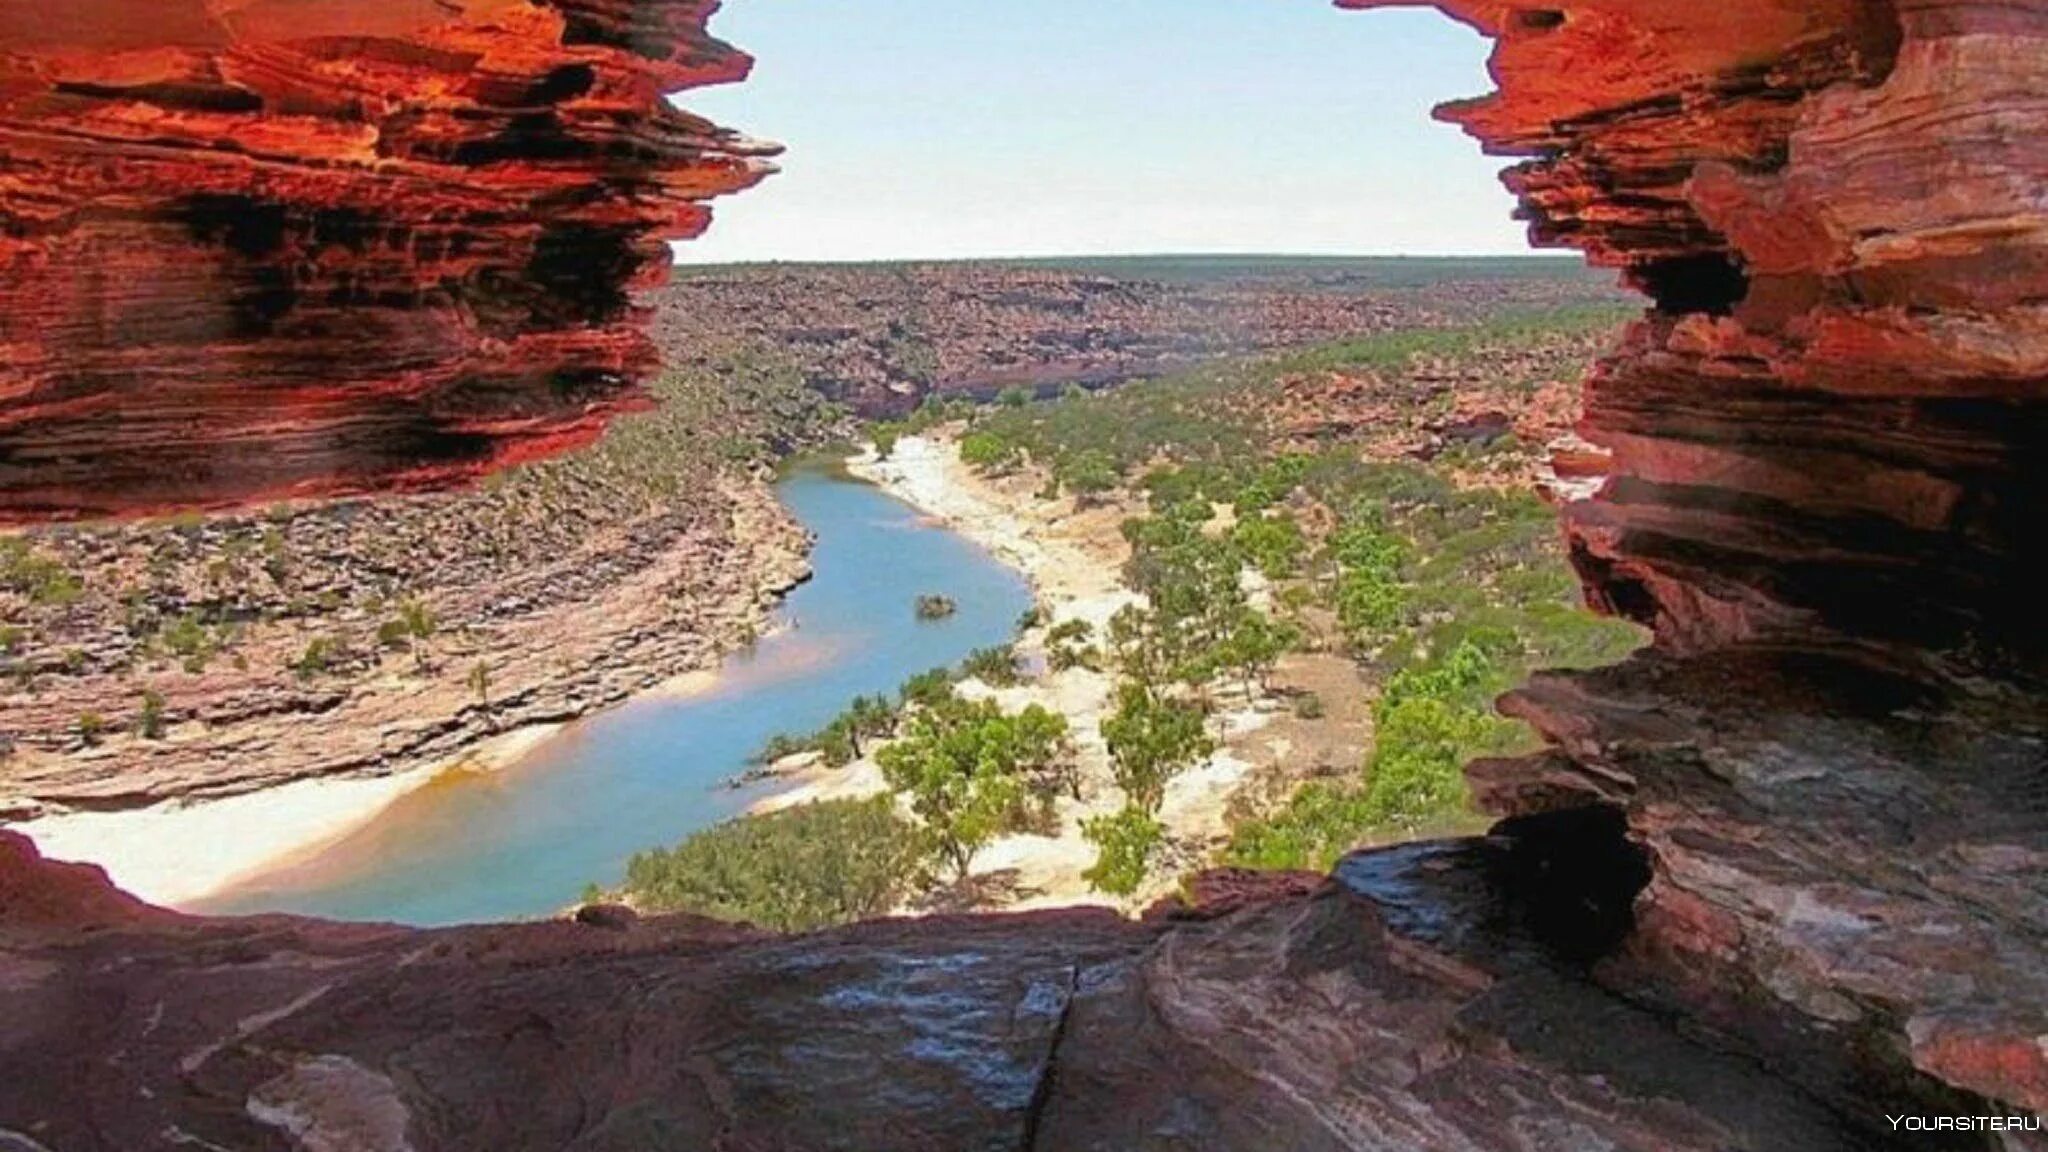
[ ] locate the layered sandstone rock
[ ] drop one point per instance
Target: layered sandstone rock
(1405, 1005)
(1828, 467)
(288, 247)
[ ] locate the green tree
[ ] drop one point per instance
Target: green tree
(1088, 475)
(1273, 543)
(868, 717)
(1255, 644)
(885, 436)
(1151, 740)
(987, 452)
(995, 666)
(1124, 845)
(1045, 754)
(795, 870)
(1015, 396)
(958, 764)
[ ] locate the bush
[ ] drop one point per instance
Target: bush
(1273, 544)
(1087, 475)
(1124, 845)
(150, 723)
(1151, 740)
(320, 654)
(43, 580)
(927, 689)
(996, 667)
(958, 766)
(988, 452)
(1309, 706)
(795, 870)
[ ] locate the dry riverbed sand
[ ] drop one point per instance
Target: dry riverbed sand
(1074, 558)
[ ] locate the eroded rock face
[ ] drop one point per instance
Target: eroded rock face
(1830, 452)
(1405, 1005)
(252, 248)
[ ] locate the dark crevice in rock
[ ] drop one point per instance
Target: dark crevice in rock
(1713, 283)
(1049, 1069)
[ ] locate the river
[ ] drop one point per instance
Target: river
(525, 841)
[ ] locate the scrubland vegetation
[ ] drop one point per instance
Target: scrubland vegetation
(1443, 593)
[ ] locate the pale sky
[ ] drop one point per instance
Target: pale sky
(957, 128)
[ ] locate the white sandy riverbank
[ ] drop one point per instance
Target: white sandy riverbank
(184, 851)
(1074, 559)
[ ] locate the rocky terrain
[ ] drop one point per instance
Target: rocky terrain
(1777, 879)
(1407, 1003)
(401, 224)
(202, 657)
(879, 338)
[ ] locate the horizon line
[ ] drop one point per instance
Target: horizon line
(1573, 257)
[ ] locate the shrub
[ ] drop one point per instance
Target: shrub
(795, 870)
(885, 436)
(1273, 544)
(928, 688)
(988, 452)
(1151, 740)
(190, 640)
(1124, 845)
(43, 579)
(319, 655)
(966, 768)
(996, 667)
(1309, 706)
(782, 746)
(150, 723)
(1087, 475)
(91, 726)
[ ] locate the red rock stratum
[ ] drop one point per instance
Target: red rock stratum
(1778, 877)
(260, 248)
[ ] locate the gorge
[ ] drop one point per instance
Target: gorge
(1775, 878)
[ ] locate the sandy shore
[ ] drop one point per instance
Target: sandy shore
(183, 851)
(1074, 559)
(177, 853)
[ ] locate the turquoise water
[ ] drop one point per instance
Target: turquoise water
(525, 841)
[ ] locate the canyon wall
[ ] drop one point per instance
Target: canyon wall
(268, 248)
(1831, 452)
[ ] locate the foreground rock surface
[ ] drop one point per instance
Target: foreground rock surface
(1402, 1005)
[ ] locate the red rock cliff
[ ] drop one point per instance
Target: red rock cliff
(286, 247)
(1831, 454)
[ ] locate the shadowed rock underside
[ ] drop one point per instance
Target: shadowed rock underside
(267, 248)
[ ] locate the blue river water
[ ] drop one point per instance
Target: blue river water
(525, 841)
